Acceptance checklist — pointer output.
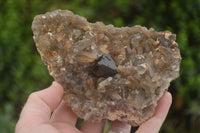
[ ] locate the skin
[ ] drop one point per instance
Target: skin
(45, 111)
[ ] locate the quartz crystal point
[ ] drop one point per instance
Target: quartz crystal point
(107, 72)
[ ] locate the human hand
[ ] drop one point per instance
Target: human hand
(36, 115)
(154, 124)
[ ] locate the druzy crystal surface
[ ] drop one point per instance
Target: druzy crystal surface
(107, 72)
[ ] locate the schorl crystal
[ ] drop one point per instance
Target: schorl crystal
(107, 72)
(105, 67)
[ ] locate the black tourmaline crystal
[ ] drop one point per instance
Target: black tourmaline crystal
(105, 67)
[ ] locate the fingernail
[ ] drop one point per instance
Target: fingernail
(57, 84)
(54, 83)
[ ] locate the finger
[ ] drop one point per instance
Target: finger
(64, 128)
(153, 124)
(64, 114)
(39, 106)
(54, 128)
(89, 127)
(119, 127)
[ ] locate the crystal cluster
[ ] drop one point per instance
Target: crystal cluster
(107, 72)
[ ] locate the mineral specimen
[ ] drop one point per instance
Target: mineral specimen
(107, 72)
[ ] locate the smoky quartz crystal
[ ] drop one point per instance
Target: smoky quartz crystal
(107, 72)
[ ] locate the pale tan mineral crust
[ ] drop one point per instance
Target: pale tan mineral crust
(107, 72)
